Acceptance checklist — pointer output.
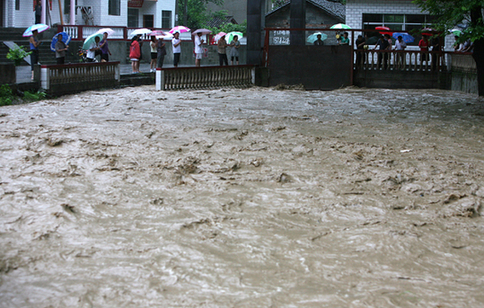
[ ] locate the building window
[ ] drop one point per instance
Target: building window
(114, 7)
(17, 5)
(148, 21)
(398, 22)
(166, 19)
(67, 6)
(133, 18)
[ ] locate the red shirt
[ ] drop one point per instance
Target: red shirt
(134, 50)
(424, 45)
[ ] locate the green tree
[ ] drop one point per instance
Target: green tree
(195, 12)
(450, 13)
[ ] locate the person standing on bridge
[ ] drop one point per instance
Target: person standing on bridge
(222, 51)
(105, 52)
(34, 48)
(38, 12)
(176, 45)
(60, 50)
(198, 49)
(234, 52)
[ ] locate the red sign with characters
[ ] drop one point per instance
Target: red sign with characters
(135, 3)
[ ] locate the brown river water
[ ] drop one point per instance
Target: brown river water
(243, 198)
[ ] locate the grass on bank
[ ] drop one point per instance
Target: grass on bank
(7, 97)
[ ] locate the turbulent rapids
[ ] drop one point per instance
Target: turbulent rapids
(243, 198)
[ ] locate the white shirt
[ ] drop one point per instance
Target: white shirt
(92, 54)
(176, 49)
(400, 46)
(198, 44)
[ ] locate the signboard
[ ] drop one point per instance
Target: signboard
(135, 3)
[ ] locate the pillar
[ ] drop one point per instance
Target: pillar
(298, 20)
(44, 4)
(255, 30)
(72, 19)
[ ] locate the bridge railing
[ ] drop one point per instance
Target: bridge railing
(404, 60)
(71, 78)
(206, 77)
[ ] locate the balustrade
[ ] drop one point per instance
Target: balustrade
(239, 76)
(400, 60)
(77, 77)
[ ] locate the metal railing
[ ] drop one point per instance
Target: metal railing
(78, 77)
(207, 77)
(80, 32)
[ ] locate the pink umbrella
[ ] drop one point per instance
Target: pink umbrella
(180, 29)
(158, 33)
(219, 36)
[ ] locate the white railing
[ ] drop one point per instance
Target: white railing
(71, 78)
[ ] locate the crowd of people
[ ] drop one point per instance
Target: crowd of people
(100, 47)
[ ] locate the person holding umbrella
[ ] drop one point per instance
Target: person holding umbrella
(161, 53)
(198, 48)
(175, 43)
(318, 41)
(134, 54)
(234, 52)
(93, 50)
(60, 50)
(103, 45)
(222, 51)
(34, 48)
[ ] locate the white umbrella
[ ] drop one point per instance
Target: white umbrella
(38, 27)
(109, 31)
(202, 31)
(140, 31)
(90, 39)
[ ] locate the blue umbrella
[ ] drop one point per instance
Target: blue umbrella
(65, 38)
(407, 38)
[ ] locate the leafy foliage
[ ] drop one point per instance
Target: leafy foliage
(452, 13)
(229, 27)
(17, 54)
(195, 12)
(34, 96)
(6, 96)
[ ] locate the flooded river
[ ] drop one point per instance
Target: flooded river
(243, 198)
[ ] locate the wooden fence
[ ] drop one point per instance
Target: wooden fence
(71, 78)
(206, 77)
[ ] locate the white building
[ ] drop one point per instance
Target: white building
(123, 13)
(398, 15)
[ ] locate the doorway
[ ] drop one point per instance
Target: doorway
(2, 3)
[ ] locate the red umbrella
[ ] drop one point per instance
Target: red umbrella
(384, 28)
(428, 31)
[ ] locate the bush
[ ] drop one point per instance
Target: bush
(17, 54)
(31, 97)
(6, 96)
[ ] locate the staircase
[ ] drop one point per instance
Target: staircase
(15, 35)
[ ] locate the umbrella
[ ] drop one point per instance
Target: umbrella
(109, 31)
(313, 37)
(427, 31)
(90, 39)
(340, 26)
(230, 36)
(456, 32)
(158, 33)
(38, 27)
(372, 40)
(383, 28)
(140, 31)
(180, 29)
(65, 38)
(202, 31)
(407, 38)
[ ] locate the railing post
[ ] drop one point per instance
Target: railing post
(44, 77)
(160, 79)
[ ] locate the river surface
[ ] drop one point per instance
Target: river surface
(243, 198)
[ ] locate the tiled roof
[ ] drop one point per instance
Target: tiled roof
(331, 7)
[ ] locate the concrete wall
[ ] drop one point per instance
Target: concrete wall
(396, 79)
(464, 74)
(315, 67)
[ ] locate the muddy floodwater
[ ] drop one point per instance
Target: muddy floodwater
(243, 198)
